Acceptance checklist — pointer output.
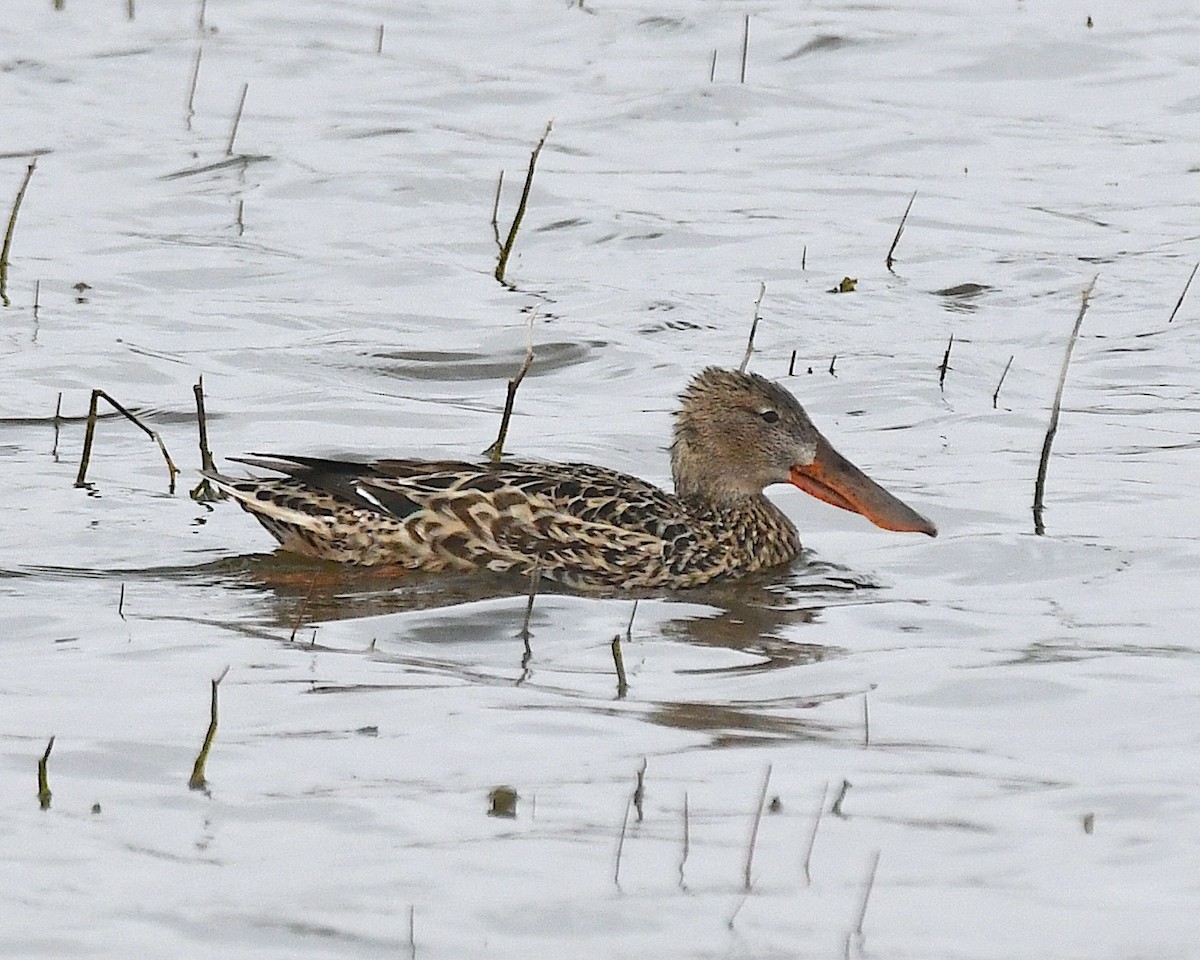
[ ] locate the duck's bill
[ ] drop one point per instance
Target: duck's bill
(834, 479)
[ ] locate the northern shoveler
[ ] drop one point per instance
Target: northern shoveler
(584, 526)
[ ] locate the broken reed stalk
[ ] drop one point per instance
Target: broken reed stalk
(629, 625)
(812, 837)
(762, 292)
(831, 363)
(836, 809)
(496, 451)
(496, 214)
(203, 492)
(1039, 487)
(299, 619)
(90, 436)
(945, 365)
(37, 298)
(899, 230)
(535, 579)
(379, 40)
(1179, 302)
(866, 896)
(621, 843)
(43, 793)
(745, 44)
(619, 666)
(412, 932)
(762, 802)
(191, 111)
(506, 249)
(196, 781)
(200, 15)
(121, 603)
(12, 226)
(792, 365)
(866, 720)
(57, 422)
(687, 840)
(639, 790)
(712, 67)
(996, 395)
(237, 119)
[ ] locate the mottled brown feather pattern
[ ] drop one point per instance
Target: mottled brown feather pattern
(585, 526)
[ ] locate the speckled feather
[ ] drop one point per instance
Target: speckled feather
(585, 526)
(581, 525)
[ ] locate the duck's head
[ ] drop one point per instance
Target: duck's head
(736, 433)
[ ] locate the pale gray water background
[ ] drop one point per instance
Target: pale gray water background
(1019, 684)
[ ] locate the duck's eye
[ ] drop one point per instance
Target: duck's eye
(770, 416)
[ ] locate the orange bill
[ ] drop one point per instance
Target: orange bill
(834, 479)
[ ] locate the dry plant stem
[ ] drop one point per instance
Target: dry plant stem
(412, 932)
(621, 843)
(687, 840)
(899, 230)
(836, 809)
(792, 365)
(1039, 487)
(237, 119)
(379, 40)
(496, 451)
(496, 213)
(629, 625)
(745, 44)
(506, 250)
(90, 436)
(639, 790)
(804, 258)
(200, 15)
(299, 619)
(712, 67)
(619, 666)
(762, 802)
(736, 910)
(812, 837)
(945, 364)
(43, 793)
(762, 292)
(197, 781)
(37, 298)
(57, 422)
(535, 579)
(866, 720)
(1179, 302)
(996, 395)
(866, 896)
(121, 603)
(204, 493)
(12, 225)
(831, 363)
(191, 111)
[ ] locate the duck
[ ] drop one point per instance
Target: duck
(585, 527)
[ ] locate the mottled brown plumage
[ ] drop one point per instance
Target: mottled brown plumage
(584, 526)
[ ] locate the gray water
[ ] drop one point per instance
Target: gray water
(1015, 715)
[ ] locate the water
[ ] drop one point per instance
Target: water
(1014, 714)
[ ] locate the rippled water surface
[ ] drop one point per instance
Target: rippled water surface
(1008, 721)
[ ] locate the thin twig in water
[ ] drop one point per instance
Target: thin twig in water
(996, 395)
(1179, 302)
(745, 44)
(836, 809)
(812, 837)
(197, 781)
(57, 421)
(736, 910)
(866, 719)
(1039, 487)
(496, 451)
(866, 895)
(190, 111)
(762, 292)
(687, 840)
(831, 363)
(121, 603)
(639, 791)
(621, 843)
(804, 258)
(200, 15)
(43, 793)
(37, 298)
(945, 365)
(506, 250)
(237, 119)
(535, 579)
(299, 618)
(792, 365)
(90, 435)
(899, 230)
(204, 493)
(12, 226)
(712, 67)
(629, 625)
(619, 666)
(762, 801)
(379, 40)
(496, 214)
(412, 932)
